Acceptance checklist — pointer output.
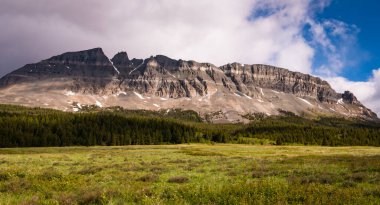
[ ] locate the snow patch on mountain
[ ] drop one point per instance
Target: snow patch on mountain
(247, 96)
(114, 67)
(136, 67)
(97, 103)
(69, 93)
(305, 101)
(139, 95)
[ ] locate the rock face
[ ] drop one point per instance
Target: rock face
(279, 79)
(87, 71)
(349, 97)
(226, 93)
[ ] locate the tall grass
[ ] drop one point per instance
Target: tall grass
(190, 174)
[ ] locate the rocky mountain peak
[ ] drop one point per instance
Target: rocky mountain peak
(162, 62)
(166, 61)
(93, 56)
(121, 58)
(349, 97)
(136, 62)
(152, 63)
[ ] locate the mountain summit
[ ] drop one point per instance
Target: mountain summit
(227, 93)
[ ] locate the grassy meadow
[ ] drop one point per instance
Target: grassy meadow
(190, 174)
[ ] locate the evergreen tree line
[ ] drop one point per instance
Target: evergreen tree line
(324, 131)
(35, 127)
(65, 129)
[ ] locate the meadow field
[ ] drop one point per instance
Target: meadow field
(190, 174)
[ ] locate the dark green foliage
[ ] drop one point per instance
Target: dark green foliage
(35, 127)
(324, 131)
(178, 114)
(66, 129)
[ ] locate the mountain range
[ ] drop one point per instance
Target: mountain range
(226, 94)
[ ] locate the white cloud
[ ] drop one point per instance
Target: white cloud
(219, 32)
(368, 92)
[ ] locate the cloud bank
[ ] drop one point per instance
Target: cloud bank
(282, 33)
(220, 32)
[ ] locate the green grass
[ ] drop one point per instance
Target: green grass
(190, 174)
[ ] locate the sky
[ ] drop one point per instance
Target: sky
(336, 40)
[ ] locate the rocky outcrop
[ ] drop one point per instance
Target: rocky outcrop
(349, 97)
(87, 71)
(279, 79)
(90, 57)
(167, 77)
(121, 59)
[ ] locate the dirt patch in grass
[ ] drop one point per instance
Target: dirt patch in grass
(158, 169)
(91, 197)
(320, 178)
(90, 170)
(178, 179)
(149, 178)
(178, 161)
(65, 198)
(197, 152)
(16, 185)
(133, 168)
(50, 174)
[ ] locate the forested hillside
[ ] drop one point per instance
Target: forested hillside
(34, 127)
